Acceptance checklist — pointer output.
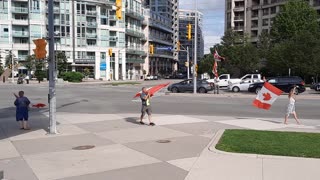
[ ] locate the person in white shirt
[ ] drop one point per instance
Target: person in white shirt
(291, 107)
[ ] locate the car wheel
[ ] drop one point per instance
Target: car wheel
(317, 88)
(236, 89)
(175, 90)
(258, 90)
(202, 90)
(296, 91)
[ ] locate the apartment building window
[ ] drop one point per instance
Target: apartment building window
(265, 2)
(265, 11)
(273, 10)
(254, 24)
(265, 22)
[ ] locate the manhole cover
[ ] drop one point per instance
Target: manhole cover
(83, 147)
(163, 141)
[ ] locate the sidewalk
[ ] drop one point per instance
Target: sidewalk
(119, 148)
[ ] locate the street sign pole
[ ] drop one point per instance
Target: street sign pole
(12, 67)
(52, 83)
(188, 60)
(195, 50)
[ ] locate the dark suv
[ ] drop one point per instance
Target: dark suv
(187, 85)
(285, 83)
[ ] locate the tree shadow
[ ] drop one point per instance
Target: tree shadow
(9, 127)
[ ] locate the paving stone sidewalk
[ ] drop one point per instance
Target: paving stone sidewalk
(122, 148)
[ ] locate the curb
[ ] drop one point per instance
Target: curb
(218, 135)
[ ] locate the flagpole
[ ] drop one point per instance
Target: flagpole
(195, 49)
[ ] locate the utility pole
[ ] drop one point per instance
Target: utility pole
(188, 60)
(52, 83)
(12, 67)
(195, 49)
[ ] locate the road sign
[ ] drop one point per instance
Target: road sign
(103, 66)
(165, 48)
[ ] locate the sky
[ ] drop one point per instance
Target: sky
(213, 19)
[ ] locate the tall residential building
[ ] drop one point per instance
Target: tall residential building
(252, 17)
(84, 29)
(188, 17)
(160, 27)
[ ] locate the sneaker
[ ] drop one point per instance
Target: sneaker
(141, 122)
(152, 124)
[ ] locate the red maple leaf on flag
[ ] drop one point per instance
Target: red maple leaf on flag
(267, 96)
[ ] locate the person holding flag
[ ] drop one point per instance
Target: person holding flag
(146, 106)
(291, 107)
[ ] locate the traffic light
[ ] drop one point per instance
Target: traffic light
(178, 46)
(10, 66)
(151, 49)
(186, 64)
(110, 52)
(119, 9)
(40, 51)
(189, 27)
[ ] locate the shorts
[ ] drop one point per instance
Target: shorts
(146, 109)
(22, 116)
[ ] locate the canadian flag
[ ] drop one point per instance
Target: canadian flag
(217, 57)
(267, 95)
(215, 69)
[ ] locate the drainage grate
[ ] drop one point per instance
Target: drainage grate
(163, 141)
(85, 147)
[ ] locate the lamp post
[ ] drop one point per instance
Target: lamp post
(195, 49)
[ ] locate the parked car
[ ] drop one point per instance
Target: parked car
(150, 77)
(180, 76)
(242, 86)
(223, 80)
(315, 86)
(285, 83)
(187, 85)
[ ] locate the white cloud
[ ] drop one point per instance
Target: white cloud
(209, 41)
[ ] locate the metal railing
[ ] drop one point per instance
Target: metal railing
(19, 9)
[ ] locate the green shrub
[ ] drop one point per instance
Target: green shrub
(72, 76)
(40, 75)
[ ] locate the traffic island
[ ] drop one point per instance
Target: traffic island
(295, 144)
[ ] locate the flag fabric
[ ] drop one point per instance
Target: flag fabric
(266, 97)
(215, 69)
(39, 105)
(153, 90)
(216, 56)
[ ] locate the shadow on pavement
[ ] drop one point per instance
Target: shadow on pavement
(9, 127)
(132, 120)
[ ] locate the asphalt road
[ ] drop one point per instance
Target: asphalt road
(98, 99)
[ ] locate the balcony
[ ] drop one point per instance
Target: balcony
(134, 32)
(22, 10)
(85, 60)
(135, 50)
(239, 28)
(104, 37)
(113, 38)
(135, 60)
(238, 8)
(91, 13)
(133, 14)
(113, 17)
(91, 35)
(4, 11)
(20, 34)
(22, 57)
(239, 18)
(92, 24)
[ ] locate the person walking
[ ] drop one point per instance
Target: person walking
(216, 85)
(291, 107)
(146, 107)
(22, 110)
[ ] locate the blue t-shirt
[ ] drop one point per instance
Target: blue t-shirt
(22, 103)
(145, 102)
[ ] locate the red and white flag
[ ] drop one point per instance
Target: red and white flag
(216, 56)
(266, 97)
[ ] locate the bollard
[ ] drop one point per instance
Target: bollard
(1, 175)
(4, 79)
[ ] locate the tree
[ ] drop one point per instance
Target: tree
(295, 17)
(30, 63)
(62, 62)
(9, 58)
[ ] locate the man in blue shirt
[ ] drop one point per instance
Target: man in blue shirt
(146, 107)
(22, 110)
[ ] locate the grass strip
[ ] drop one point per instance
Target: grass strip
(295, 144)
